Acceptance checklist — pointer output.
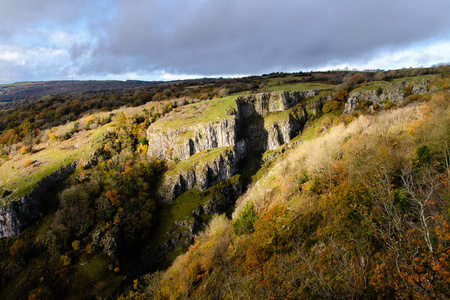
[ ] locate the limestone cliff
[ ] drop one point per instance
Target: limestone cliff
(182, 142)
(264, 103)
(395, 93)
(181, 233)
(166, 141)
(19, 213)
(204, 150)
(201, 171)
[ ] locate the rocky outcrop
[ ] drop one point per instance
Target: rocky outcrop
(229, 192)
(395, 94)
(184, 141)
(283, 131)
(257, 122)
(108, 239)
(262, 104)
(20, 212)
(202, 173)
(181, 143)
(183, 231)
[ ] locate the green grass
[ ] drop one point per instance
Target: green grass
(310, 131)
(175, 168)
(183, 137)
(371, 86)
(183, 206)
(277, 116)
(93, 274)
(197, 113)
(21, 179)
(301, 86)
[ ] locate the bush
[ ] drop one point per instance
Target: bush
(341, 95)
(244, 223)
(412, 98)
(331, 106)
(28, 163)
(388, 105)
(379, 91)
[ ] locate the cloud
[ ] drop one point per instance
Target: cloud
(179, 39)
(18, 63)
(421, 55)
(229, 37)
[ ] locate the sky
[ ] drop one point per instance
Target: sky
(179, 39)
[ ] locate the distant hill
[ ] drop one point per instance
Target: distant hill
(37, 89)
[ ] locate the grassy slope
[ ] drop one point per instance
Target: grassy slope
(371, 86)
(278, 185)
(13, 174)
(301, 86)
(202, 157)
(16, 176)
(201, 112)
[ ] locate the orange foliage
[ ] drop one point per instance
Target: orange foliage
(113, 196)
(16, 247)
(413, 271)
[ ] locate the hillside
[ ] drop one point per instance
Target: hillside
(23, 90)
(307, 185)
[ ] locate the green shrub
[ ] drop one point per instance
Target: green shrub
(330, 106)
(246, 220)
(388, 105)
(401, 200)
(423, 156)
(412, 98)
(379, 91)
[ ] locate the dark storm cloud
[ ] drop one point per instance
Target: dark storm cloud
(21, 16)
(242, 37)
(210, 37)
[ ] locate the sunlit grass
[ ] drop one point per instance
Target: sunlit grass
(19, 178)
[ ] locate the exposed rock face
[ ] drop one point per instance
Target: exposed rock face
(263, 135)
(246, 127)
(182, 142)
(202, 175)
(175, 145)
(282, 132)
(183, 231)
(108, 239)
(221, 202)
(264, 103)
(20, 212)
(395, 93)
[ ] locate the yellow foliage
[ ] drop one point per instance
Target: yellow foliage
(23, 150)
(388, 105)
(28, 163)
(90, 119)
(65, 260)
(16, 247)
(142, 149)
(53, 136)
(76, 245)
(192, 267)
(170, 152)
(128, 172)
